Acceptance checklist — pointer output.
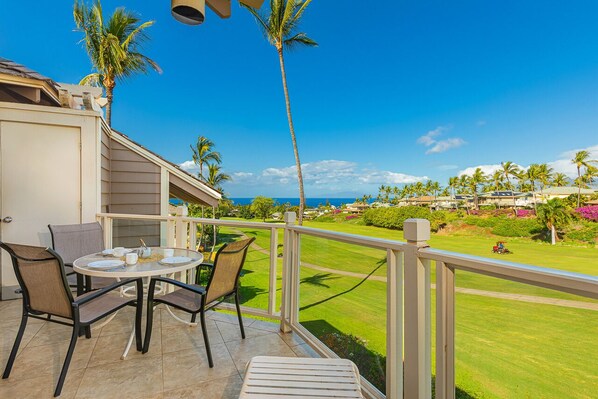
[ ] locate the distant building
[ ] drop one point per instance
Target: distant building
(356, 207)
(562, 192)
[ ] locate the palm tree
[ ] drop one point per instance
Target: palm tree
(280, 28)
(560, 180)
(553, 214)
(113, 47)
(215, 177)
(203, 154)
(474, 181)
(509, 169)
(544, 174)
(497, 180)
(581, 159)
(532, 174)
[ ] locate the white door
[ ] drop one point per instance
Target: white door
(40, 183)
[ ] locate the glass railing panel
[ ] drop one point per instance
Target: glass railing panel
(342, 301)
(255, 275)
(524, 345)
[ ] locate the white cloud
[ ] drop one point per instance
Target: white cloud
(428, 138)
(331, 175)
(448, 167)
(564, 164)
(438, 146)
(189, 166)
(445, 145)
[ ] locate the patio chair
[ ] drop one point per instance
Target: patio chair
(194, 299)
(73, 241)
(46, 294)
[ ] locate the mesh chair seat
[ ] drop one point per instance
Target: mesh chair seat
(99, 307)
(184, 299)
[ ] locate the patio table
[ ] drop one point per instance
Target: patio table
(144, 268)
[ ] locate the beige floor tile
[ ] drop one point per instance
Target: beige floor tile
(221, 388)
(169, 321)
(12, 309)
(51, 333)
(232, 332)
(121, 324)
(48, 359)
(266, 325)
(8, 333)
(304, 350)
(40, 387)
(291, 339)
(266, 345)
(109, 349)
(181, 368)
(131, 379)
(181, 337)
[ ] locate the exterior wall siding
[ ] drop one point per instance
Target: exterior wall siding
(134, 186)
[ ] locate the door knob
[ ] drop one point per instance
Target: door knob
(7, 219)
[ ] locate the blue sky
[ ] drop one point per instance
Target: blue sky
(397, 91)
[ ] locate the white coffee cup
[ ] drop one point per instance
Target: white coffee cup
(118, 251)
(168, 252)
(131, 258)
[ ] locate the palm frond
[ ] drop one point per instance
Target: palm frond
(93, 79)
(300, 39)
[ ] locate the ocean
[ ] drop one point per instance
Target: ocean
(309, 202)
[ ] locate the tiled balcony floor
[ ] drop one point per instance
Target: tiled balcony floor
(175, 366)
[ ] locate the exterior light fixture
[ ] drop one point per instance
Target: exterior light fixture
(190, 12)
(193, 12)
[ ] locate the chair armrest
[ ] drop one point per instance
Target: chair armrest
(105, 290)
(206, 264)
(197, 290)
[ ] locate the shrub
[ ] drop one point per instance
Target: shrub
(507, 227)
(394, 217)
(589, 212)
(372, 365)
(517, 227)
(325, 219)
(586, 232)
(349, 217)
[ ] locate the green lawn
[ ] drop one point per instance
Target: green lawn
(505, 349)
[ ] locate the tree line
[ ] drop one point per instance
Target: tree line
(509, 177)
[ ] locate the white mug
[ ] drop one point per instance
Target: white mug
(119, 251)
(131, 258)
(168, 252)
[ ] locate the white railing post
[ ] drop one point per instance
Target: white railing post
(170, 232)
(417, 312)
(193, 236)
(394, 324)
(287, 266)
(107, 224)
(181, 227)
(445, 331)
(273, 271)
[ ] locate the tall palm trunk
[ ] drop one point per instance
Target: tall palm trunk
(293, 138)
(552, 234)
(578, 185)
(109, 96)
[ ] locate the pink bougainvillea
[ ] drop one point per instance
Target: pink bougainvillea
(349, 217)
(589, 212)
(523, 213)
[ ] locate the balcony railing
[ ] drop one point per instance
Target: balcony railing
(408, 279)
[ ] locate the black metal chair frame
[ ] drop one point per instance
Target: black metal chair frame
(78, 327)
(202, 291)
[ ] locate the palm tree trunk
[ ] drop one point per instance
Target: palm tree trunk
(578, 185)
(553, 234)
(293, 138)
(109, 97)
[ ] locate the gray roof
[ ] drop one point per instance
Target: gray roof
(9, 67)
